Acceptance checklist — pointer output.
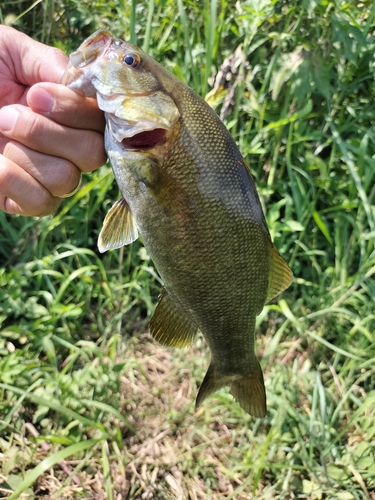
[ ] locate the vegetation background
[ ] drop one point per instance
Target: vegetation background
(90, 406)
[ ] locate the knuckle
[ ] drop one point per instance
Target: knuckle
(42, 202)
(33, 127)
(23, 194)
(14, 151)
(29, 126)
(96, 155)
(6, 173)
(3, 199)
(37, 131)
(66, 177)
(50, 208)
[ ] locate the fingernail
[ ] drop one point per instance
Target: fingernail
(41, 100)
(8, 118)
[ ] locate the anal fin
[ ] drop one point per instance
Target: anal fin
(170, 325)
(119, 228)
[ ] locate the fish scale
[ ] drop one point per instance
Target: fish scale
(189, 193)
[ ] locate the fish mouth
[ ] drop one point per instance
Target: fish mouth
(88, 52)
(146, 140)
(85, 55)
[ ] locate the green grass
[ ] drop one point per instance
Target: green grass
(89, 404)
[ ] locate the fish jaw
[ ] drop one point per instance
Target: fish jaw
(97, 69)
(91, 49)
(136, 115)
(102, 59)
(79, 75)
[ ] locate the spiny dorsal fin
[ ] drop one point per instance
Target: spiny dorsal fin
(280, 275)
(119, 228)
(170, 325)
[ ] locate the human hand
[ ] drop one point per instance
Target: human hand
(48, 133)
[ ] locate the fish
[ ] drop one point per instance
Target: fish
(188, 191)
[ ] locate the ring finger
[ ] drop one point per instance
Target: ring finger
(55, 174)
(21, 194)
(31, 183)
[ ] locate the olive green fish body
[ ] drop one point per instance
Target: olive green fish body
(189, 193)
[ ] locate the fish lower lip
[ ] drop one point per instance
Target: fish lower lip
(145, 140)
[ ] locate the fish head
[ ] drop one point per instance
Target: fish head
(125, 83)
(79, 72)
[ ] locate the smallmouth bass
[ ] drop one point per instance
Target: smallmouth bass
(187, 190)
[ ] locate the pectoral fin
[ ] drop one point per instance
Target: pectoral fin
(170, 325)
(280, 275)
(119, 228)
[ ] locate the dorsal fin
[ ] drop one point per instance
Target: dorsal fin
(280, 275)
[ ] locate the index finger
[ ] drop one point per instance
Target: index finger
(30, 61)
(66, 107)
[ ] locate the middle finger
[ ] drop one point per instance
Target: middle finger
(83, 148)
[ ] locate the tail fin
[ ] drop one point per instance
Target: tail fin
(209, 385)
(248, 390)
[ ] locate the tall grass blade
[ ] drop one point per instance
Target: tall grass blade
(133, 22)
(147, 39)
(352, 169)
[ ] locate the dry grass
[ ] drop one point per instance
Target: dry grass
(170, 438)
(175, 452)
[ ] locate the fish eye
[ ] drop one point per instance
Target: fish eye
(132, 60)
